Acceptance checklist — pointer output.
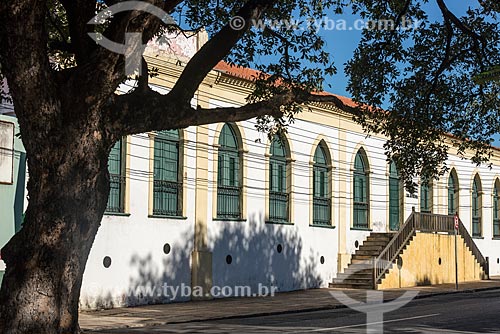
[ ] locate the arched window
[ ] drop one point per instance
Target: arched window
(116, 169)
(228, 175)
(394, 197)
(361, 190)
(477, 229)
(426, 196)
(496, 209)
(167, 178)
(279, 208)
(453, 199)
(321, 188)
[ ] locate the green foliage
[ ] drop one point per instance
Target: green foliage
(431, 83)
(283, 45)
(425, 87)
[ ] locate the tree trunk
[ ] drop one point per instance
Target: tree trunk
(45, 261)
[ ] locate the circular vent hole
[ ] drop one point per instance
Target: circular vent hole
(166, 248)
(356, 243)
(322, 260)
(106, 262)
(439, 261)
(279, 248)
(229, 259)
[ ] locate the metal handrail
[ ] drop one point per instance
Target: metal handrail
(423, 222)
(391, 251)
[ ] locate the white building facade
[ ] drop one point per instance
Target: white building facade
(222, 206)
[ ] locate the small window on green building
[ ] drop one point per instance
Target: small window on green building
(426, 196)
(322, 206)
(228, 175)
(477, 228)
(496, 209)
(167, 179)
(361, 190)
(279, 208)
(394, 197)
(453, 193)
(116, 169)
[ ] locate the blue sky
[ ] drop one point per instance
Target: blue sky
(342, 43)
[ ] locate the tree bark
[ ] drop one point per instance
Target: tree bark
(69, 121)
(45, 261)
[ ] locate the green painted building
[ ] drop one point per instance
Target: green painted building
(12, 181)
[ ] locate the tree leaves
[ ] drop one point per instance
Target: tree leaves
(438, 84)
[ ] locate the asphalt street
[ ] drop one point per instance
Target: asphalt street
(477, 312)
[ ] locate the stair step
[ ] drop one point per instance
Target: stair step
(352, 281)
(360, 261)
(362, 257)
(380, 235)
(371, 247)
(379, 243)
(359, 273)
(351, 285)
(350, 272)
(369, 252)
(356, 276)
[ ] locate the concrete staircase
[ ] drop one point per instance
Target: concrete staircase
(359, 273)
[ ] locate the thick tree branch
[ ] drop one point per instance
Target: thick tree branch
(79, 12)
(166, 112)
(104, 70)
(478, 41)
(143, 81)
(459, 24)
(216, 49)
(25, 64)
(286, 47)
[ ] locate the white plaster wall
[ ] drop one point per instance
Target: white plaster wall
(135, 243)
(466, 171)
(253, 243)
(378, 191)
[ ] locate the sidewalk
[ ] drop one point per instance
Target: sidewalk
(286, 302)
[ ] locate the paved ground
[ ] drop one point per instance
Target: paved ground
(150, 318)
(450, 313)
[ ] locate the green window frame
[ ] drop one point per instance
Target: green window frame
(394, 197)
(477, 229)
(360, 193)
(453, 193)
(229, 192)
(116, 169)
(425, 196)
(279, 199)
(496, 209)
(322, 203)
(167, 177)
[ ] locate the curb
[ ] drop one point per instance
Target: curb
(271, 313)
(331, 307)
(453, 292)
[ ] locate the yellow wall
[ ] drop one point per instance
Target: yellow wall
(421, 263)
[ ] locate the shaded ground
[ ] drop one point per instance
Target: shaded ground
(450, 313)
(284, 304)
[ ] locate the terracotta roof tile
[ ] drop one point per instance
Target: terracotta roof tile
(251, 74)
(237, 71)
